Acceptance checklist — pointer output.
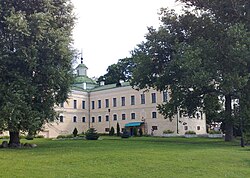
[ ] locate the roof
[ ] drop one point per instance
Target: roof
(82, 65)
(110, 86)
(84, 79)
(133, 124)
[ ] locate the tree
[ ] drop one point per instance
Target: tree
(118, 129)
(35, 63)
(119, 71)
(112, 131)
(75, 132)
(200, 56)
(92, 134)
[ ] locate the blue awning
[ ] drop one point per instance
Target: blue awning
(133, 124)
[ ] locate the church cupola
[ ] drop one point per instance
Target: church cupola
(81, 68)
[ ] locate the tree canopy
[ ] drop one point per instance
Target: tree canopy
(200, 55)
(35, 62)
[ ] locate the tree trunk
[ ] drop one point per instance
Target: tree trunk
(228, 118)
(14, 139)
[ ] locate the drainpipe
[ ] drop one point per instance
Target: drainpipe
(89, 108)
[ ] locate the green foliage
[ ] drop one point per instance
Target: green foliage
(135, 132)
(140, 132)
(91, 134)
(75, 132)
(214, 132)
(112, 131)
(190, 132)
(168, 131)
(125, 134)
(35, 58)
(118, 129)
(65, 136)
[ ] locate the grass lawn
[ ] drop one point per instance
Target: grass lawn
(133, 157)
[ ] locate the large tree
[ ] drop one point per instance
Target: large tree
(35, 62)
(199, 55)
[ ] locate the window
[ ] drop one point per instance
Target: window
(83, 104)
(106, 129)
(201, 115)
(107, 103)
(154, 128)
(61, 118)
(99, 118)
(115, 117)
(114, 102)
(93, 104)
(123, 116)
(185, 127)
(74, 119)
(93, 119)
(123, 101)
(75, 104)
(132, 115)
(154, 115)
(153, 95)
(165, 96)
(62, 105)
(83, 119)
(197, 115)
(198, 128)
(99, 104)
(143, 98)
(133, 100)
(107, 117)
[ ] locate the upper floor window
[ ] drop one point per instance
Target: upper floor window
(74, 119)
(132, 115)
(123, 116)
(154, 115)
(107, 117)
(133, 100)
(61, 118)
(99, 104)
(115, 117)
(75, 104)
(143, 98)
(123, 101)
(83, 119)
(62, 104)
(107, 103)
(114, 102)
(83, 104)
(153, 95)
(165, 96)
(93, 104)
(99, 118)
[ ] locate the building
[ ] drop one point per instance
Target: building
(103, 106)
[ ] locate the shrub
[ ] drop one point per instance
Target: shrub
(168, 131)
(39, 136)
(135, 131)
(118, 129)
(75, 132)
(65, 136)
(214, 132)
(112, 131)
(125, 134)
(190, 132)
(92, 134)
(140, 132)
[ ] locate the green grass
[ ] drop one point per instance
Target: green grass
(133, 157)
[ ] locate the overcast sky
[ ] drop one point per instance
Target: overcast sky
(107, 30)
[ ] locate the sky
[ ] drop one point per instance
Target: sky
(108, 30)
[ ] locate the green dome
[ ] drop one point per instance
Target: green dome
(84, 79)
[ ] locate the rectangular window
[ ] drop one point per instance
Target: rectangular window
(165, 96)
(154, 115)
(83, 119)
(93, 104)
(154, 128)
(83, 104)
(93, 119)
(107, 117)
(132, 115)
(143, 98)
(115, 117)
(123, 101)
(75, 104)
(198, 128)
(62, 105)
(123, 116)
(99, 118)
(107, 103)
(153, 95)
(114, 102)
(106, 129)
(185, 127)
(74, 119)
(99, 104)
(61, 118)
(133, 100)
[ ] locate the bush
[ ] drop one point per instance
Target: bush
(65, 136)
(168, 131)
(39, 136)
(75, 132)
(118, 129)
(112, 131)
(214, 132)
(125, 134)
(140, 132)
(190, 132)
(135, 131)
(92, 134)
(5, 137)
